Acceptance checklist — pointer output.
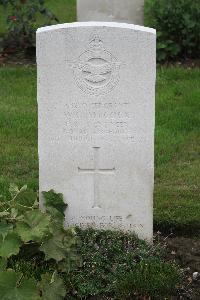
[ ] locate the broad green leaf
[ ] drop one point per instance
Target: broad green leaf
(34, 227)
(4, 214)
(61, 245)
(54, 247)
(52, 287)
(24, 188)
(26, 198)
(13, 189)
(57, 219)
(52, 199)
(9, 245)
(13, 288)
(57, 216)
(14, 213)
(3, 263)
(70, 238)
(63, 266)
(5, 228)
(69, 263)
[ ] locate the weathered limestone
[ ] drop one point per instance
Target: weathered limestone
(96, 85)
(124, 11)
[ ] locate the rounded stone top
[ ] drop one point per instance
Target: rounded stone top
(97, 24)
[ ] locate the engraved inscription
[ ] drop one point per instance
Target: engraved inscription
(96, 71)
(102, 222)
(97, 121)
(96, 171)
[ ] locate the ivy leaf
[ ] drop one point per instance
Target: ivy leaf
(12, 288)
(52, 287)
(5, 228)
(34, 227)
(52, 199)
(9, 245)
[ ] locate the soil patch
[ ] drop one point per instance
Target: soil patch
(185, 252)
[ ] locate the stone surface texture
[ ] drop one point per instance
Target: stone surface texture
(125, 11)
(96, 91)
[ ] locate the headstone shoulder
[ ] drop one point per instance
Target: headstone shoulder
(96, 24)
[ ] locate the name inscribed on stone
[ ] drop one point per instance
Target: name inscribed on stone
(97, 120)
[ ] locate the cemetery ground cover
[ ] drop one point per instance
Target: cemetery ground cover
(108, 267)
(177, 142)
(177, 206)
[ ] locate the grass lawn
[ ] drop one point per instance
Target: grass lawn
(177, 143)
(177, 149)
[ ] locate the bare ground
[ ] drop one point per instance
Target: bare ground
(185, 251)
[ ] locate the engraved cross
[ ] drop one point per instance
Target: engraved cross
(96, 171)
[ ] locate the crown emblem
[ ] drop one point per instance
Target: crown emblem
(96, 43)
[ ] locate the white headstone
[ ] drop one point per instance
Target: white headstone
(125, 11)
(96, 84)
